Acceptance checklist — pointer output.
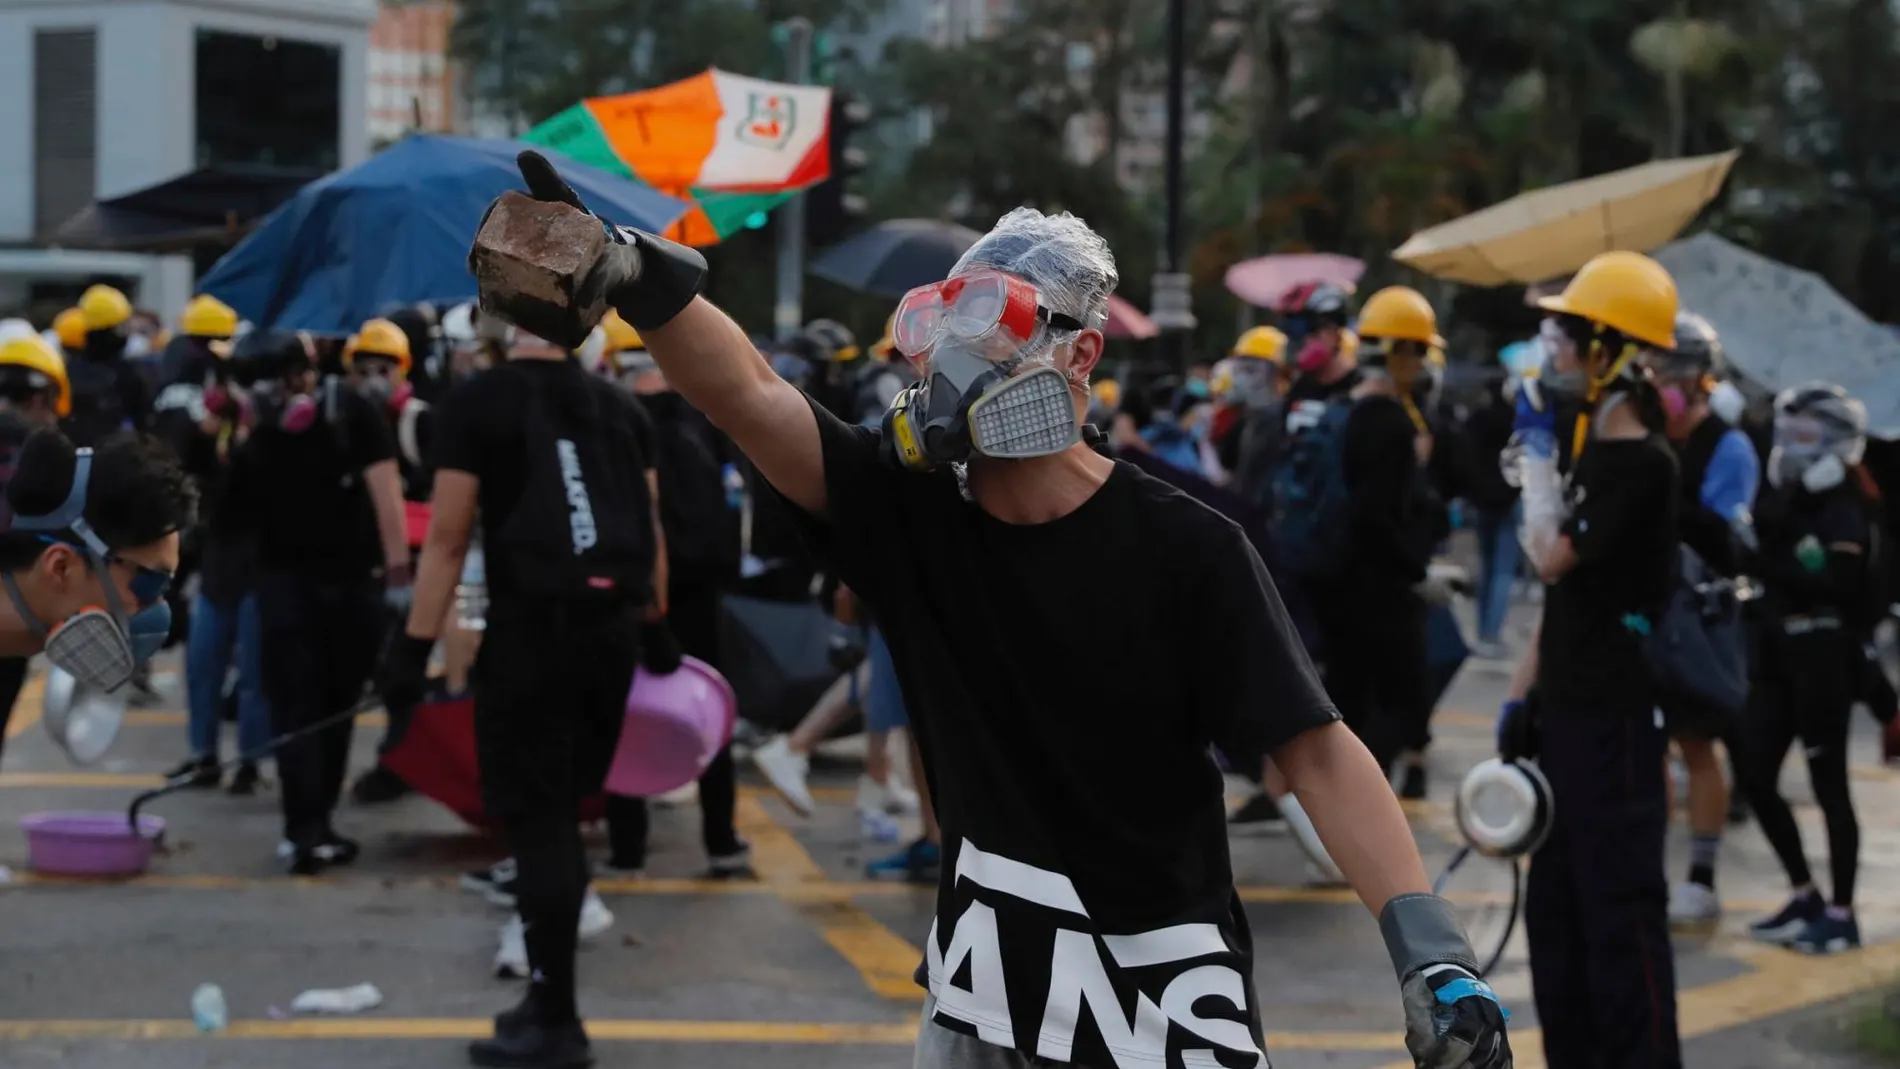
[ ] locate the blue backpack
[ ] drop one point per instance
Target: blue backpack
(1310, 522)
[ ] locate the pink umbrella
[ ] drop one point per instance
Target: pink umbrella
(1262, 282)
(1127, 321)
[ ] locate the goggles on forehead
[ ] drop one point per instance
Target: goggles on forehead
(972, 307)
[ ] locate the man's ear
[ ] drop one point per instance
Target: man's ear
(1085, 353)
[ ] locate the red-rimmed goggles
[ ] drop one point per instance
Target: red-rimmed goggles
(972, 307)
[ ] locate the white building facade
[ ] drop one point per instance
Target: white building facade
(99, 98)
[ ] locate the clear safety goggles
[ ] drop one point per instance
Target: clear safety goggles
(997, 311)
(1802, 435)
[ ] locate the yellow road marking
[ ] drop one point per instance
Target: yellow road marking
(1778, 982)
(881, 956)
(112, 780)
(447, 1028)
(28, 707)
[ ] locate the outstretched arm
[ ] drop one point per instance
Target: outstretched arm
(710, 361)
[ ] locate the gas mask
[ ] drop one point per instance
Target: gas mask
(276, 402)
(977, 333)
(99, 647)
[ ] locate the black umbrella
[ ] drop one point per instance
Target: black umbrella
(895, 256)
(778, 656)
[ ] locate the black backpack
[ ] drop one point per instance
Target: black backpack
(582, 528)
(702, 528)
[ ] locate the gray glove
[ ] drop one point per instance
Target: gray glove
(1453, 1020)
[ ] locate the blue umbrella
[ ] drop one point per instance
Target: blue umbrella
(397, 229)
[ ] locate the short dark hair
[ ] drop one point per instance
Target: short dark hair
(137, 493)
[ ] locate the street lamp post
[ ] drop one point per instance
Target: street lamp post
(1173, 311)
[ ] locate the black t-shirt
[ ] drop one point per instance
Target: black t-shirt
(303, 494)
(1067, 681)
(478, 429)
(1793, 524)
(1389, 497)
(1622, 500)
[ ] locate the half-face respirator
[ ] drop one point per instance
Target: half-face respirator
(973, 336)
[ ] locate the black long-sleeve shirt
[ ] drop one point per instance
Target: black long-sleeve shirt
(1390, 502)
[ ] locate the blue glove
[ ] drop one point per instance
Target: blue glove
(1532, 417)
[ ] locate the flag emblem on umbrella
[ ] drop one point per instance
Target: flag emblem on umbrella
(770, 120)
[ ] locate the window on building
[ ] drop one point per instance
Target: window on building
(65, 125)
(268, 101)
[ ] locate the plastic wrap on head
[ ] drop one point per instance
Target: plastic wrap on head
(458, 324)
(1068, 262)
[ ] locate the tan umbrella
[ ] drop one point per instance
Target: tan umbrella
(1548, 233)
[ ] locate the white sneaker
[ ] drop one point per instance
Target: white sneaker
(511, 957)
(786, 772)
(1692, 904)
(595, 916)
(893, 798)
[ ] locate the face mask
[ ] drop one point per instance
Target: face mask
(137, 346)
(969, 406)
(1315, 354)
(274, 403)
(1727, 402)
(1805, 467)
(1673, 401)
(376, 389)
(98, 647)
(1197, 389)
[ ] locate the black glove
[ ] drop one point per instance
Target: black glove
(660, 651)
(646, 278)
(405, 675)
(1453, 1020)
(1517, 730)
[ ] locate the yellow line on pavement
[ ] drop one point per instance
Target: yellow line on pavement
(1778, 982)
(449, 1028)
(881, 956)
(28, 706)
(84, 780)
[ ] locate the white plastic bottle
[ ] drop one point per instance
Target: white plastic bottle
(208, 1011)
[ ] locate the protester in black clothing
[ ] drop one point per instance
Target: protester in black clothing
(1820, 564)
(981, 569)
(1604, 542)
(315, 483)
(34, 394)
(109, 393)
(1371, 615)
(1314, 316)
(558, 464)
(69, 554)
(702, 562)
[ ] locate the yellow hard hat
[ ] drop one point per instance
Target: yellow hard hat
(37, 356)
(104, 307)
(885, 348)
(620, 333)
(1262, 343)
(70, 325)
(1400, 313)
(207, 317)
(1625, 291)
(379, 337)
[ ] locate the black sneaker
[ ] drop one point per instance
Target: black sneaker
(203, 773)
(306, 861)
(734, 866)
(1258, 816)
(521, 1042)
(377, 786)
(495, 883)
(1828, 934)
(244, 780)
(337, 850)
(1412, 783)
(1786, 926)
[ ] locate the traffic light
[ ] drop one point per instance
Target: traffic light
(833, 208)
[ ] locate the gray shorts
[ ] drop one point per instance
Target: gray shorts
(942, 1048)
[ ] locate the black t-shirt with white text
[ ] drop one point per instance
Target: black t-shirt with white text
(479, 428)
(302, 493)
(1622, 499)
(1068, 681)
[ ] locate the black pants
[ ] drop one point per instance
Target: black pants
(12, 679)
(1805, 687)
(319, 646)
(550, 694)
(1372, 637)
(1596, 900)
(693, 613)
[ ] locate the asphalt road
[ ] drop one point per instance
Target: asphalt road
(808, 966)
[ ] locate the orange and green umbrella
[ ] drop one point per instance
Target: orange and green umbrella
(734, 146)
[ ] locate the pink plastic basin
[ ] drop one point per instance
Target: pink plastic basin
(676, 724)
(89, 844)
